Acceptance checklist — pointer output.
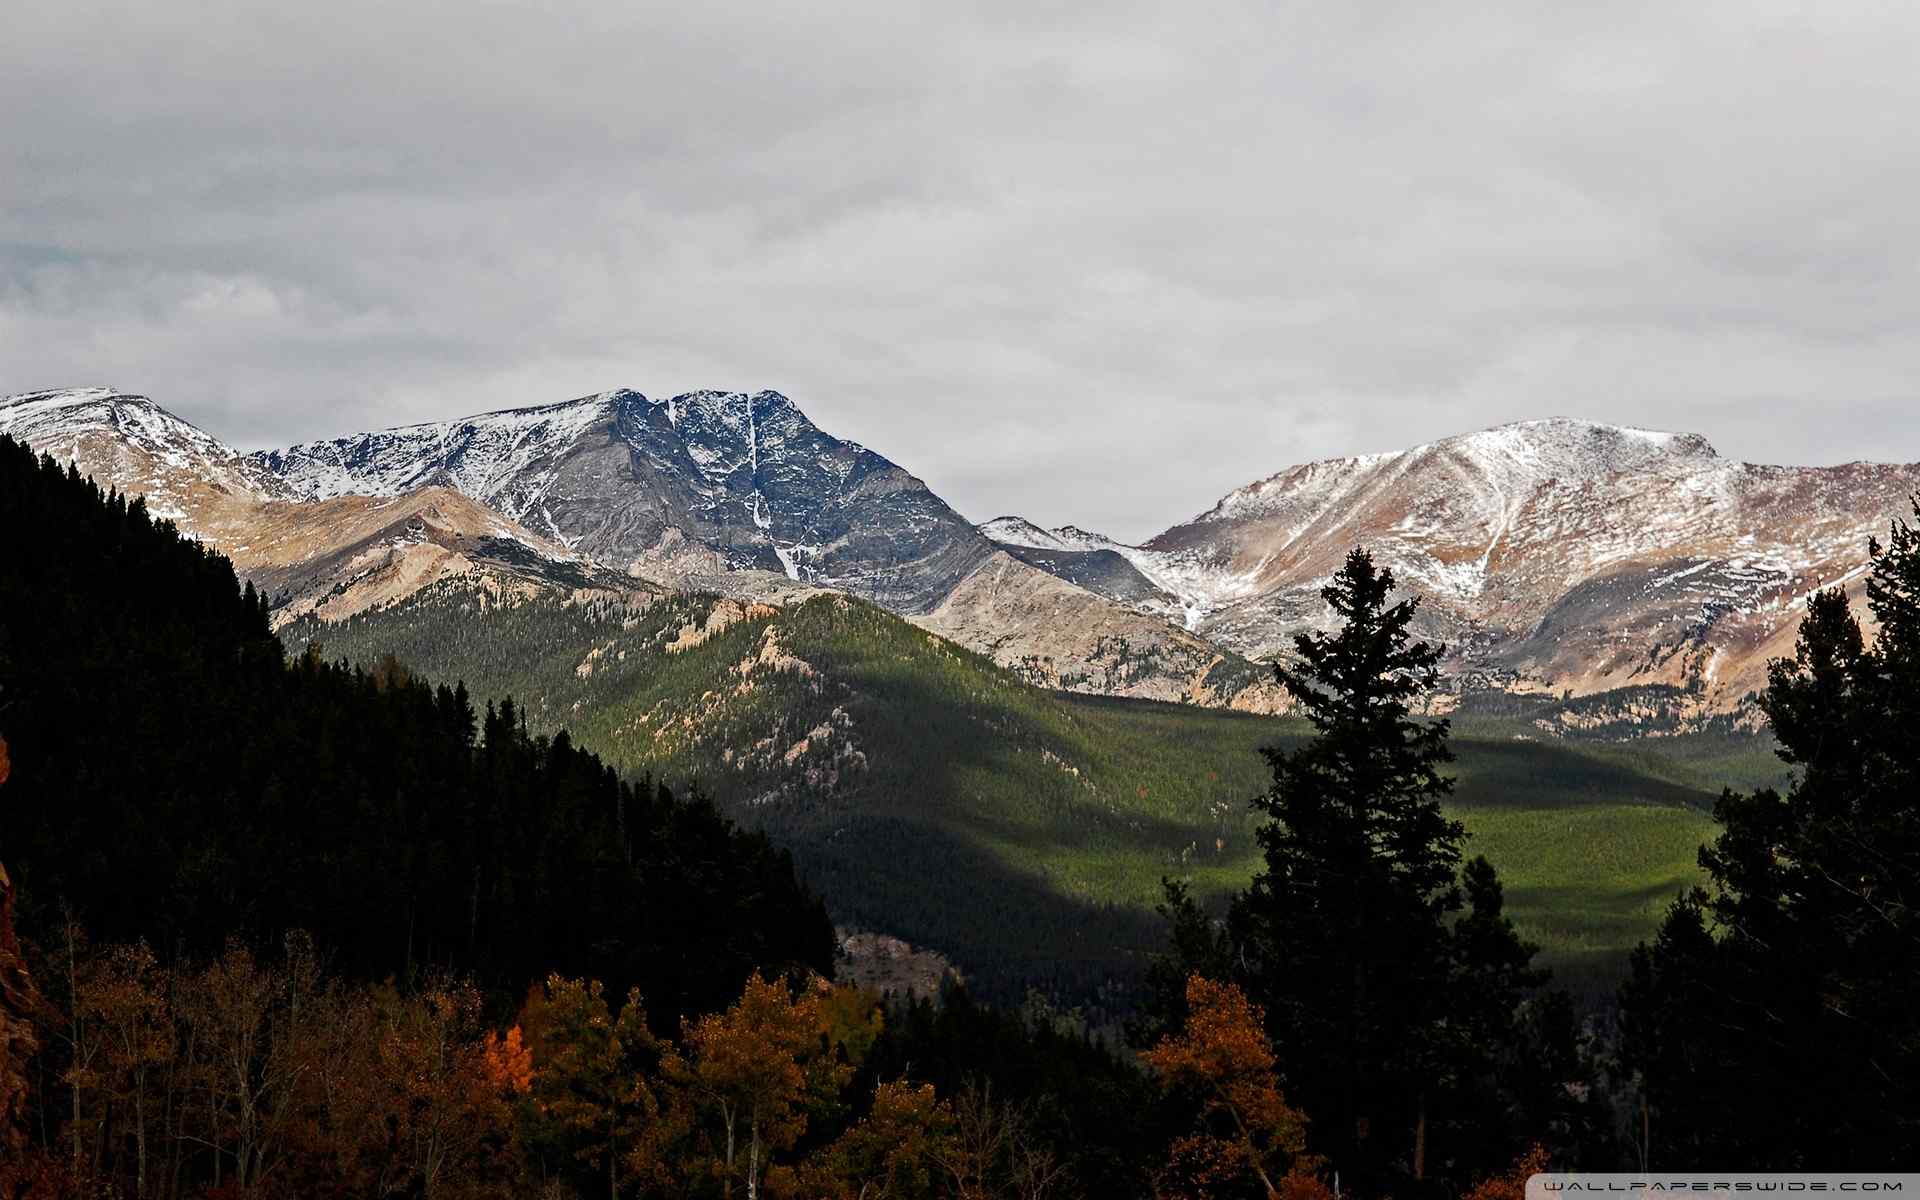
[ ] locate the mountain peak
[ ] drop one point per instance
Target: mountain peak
(128, 442)
(1018, 531)
(618, 475)
(713, 406)
(63, 397)
(62, 417)
(1600, 444)
(1517, 455)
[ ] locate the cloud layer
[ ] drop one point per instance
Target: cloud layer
(1087, 262)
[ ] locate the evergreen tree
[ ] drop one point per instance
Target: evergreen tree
(1792, 975)
(1388, 1008)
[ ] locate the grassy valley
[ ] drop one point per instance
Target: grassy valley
(930, 794)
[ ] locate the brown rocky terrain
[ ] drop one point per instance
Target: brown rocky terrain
(330, 558)
(1550, 556)
(1059, 635)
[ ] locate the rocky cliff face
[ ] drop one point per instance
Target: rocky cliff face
(640, 483)
(1057, 634)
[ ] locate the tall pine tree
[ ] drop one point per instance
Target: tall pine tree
(1390, 995)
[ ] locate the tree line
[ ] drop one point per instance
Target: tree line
(272, 1075)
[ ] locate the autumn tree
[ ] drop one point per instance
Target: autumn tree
(19, 1039)
(1512, 1183)
(252, 1024)
(449, 1099)
(124, 997)
(992, 1149)
(20, 1005)
(1222, 1061)
(507, 1062)
(83, 1047)
(595, 1077)
(892, 1153)
(756, 1072)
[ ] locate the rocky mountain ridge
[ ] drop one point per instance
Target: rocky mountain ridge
(1551, 555)
(625, 478)
(329, 557)
(721, 491)
(1554, 556)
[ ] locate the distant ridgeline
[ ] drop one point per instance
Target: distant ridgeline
(177, 778)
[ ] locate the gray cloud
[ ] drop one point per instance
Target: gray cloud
(1087, 262)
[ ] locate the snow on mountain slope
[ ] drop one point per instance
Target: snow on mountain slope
(1179, 586)
(333, 556)
(1018, 531)
(506, 459)
(1057, 634)
(1551, 553)
(722, 490)
(619, 476)
(131, 444)
(1440, 512)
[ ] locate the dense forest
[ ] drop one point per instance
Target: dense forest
(176, 779)
(279, 927)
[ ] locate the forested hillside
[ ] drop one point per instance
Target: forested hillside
(930, 794)
(176, 778)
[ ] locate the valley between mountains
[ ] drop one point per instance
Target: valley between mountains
(994, 739)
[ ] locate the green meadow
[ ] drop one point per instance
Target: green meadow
(1025, 833)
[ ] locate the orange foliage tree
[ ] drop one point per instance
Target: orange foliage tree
(755, 1072)
(508, 1062)
(20, 1009)
(1246, 1131)
(595, 1076)
(124, 996)
(1512, 1185)
(893, 1153)
(18, 1001)
(449, 1112)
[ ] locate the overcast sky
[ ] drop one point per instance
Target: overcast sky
(1088, 262)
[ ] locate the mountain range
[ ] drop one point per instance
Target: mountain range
(1553, 557)
(698, 588)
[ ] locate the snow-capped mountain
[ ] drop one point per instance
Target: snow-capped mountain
(637, 482)
(1553, 553)
(129, 443)
(333, 557)
(718, 490)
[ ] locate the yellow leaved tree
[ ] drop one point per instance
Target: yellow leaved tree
(755, 1072)
(1246, 1132)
